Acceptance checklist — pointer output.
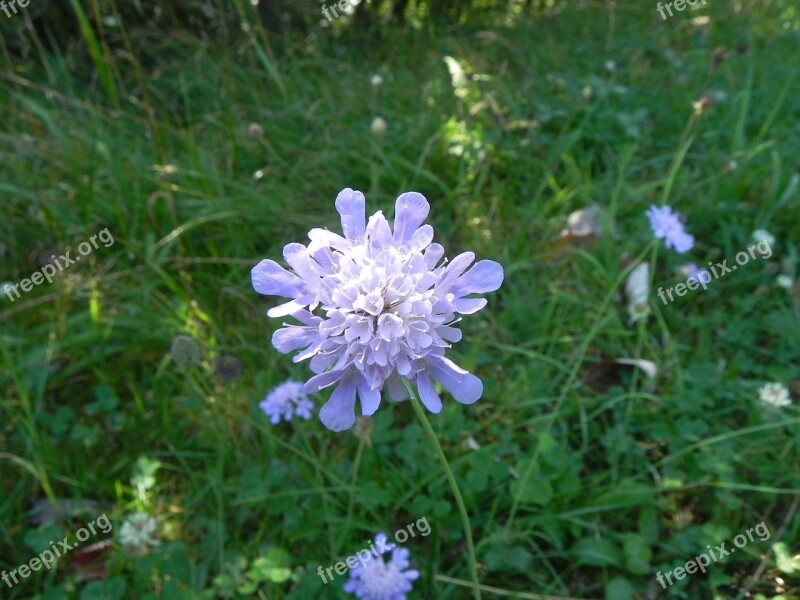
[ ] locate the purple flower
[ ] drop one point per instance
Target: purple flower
(375, 579)
(667, 225)
(696, 273)
(376, 305)
(286, 401)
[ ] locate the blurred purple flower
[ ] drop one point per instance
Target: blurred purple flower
(696, 273)
(667, 225)
(286, 401)
(387, 308)
(375, 579)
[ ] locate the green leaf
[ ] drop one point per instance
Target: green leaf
(106, 400)
(514, 559)
(144, 473)
(537, 490)
(52, 594)
(620, 589)
(597, 552)
(247, 587)
(39, 539)
(274, 567)
(637, 554)
(784, 559)
(112, 589)
(86, 435)
(648, 523)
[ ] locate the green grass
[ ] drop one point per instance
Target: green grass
(574, 491)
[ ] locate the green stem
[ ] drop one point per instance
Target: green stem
(353, 480)
(462, 508)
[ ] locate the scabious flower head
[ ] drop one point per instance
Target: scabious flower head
(255, 131)
(667, 225)
(286, 401)
(774, 394)
(379, 126)
(386, 308)
(185, 351)
(227, 368)
(692, 271)
(379, 580)
(137, 531)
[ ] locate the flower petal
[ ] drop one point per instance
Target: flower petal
(421, 238)
(351, 205)
(400, 558)
(433, 254)
(370, 399)
(454, 270)
(397, 391)
(271, 279)
(339, 412)
(450, 334)
(283, 310)
(323, 380)
(427, 393)
(468, 306)
(383, 545)
(462, 385)
(410, 210)
(484, 276)
(292, 337)
(378, 230)
(324, 237)
(682, 242)
(298, 258)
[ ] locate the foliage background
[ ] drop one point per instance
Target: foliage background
(206, 135)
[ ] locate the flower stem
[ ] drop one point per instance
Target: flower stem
(462, 509)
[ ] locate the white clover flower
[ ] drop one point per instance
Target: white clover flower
(762, 235)
(376, 80)
(774, 394)
(6, 287)
(784, 281)
(137, 531)
(378, 126)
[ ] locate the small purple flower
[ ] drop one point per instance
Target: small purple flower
(375, 306)
(286, 401)
(375, 579)
(696, 273)
(667, 225)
